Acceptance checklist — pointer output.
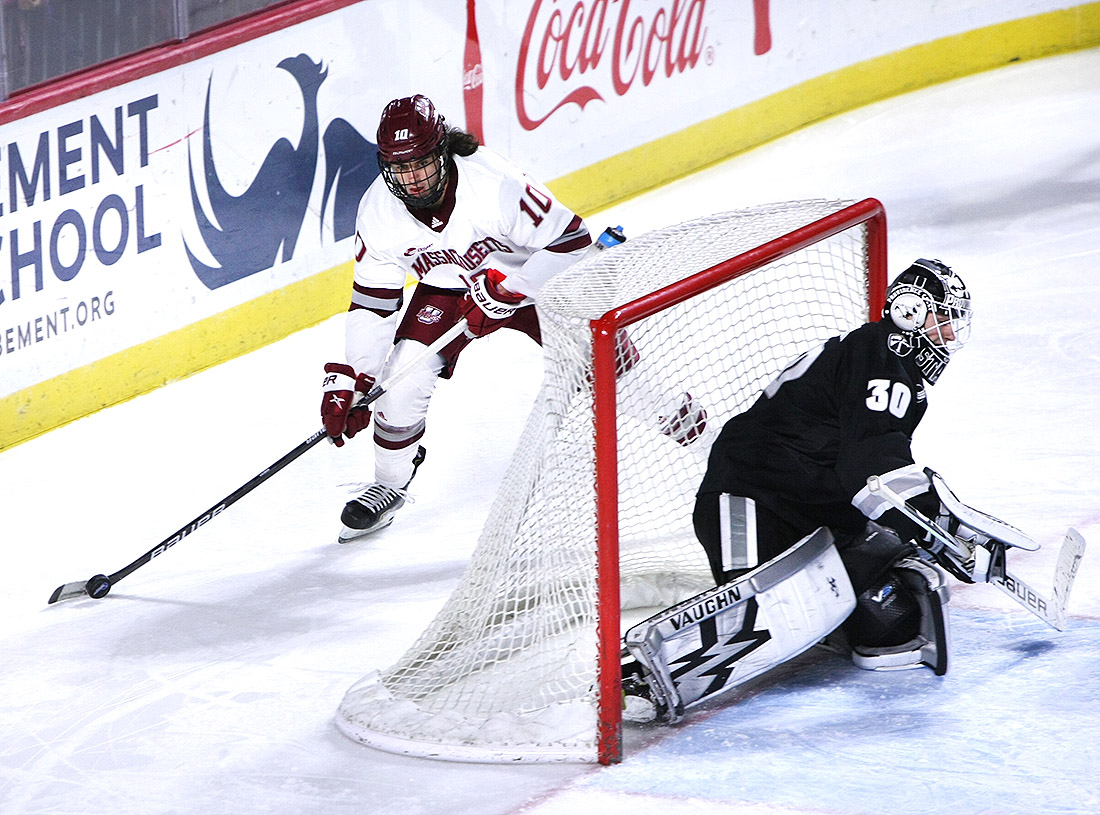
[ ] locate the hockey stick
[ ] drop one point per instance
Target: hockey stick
(99, 585)
(1052, 611)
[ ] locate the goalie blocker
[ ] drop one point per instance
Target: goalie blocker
(890, 614)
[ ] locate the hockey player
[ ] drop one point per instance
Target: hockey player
(795, 466)
(799, 458)
(480, 238)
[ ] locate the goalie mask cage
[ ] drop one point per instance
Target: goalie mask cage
(593, 520)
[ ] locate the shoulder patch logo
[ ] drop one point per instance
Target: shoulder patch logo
(900, 344)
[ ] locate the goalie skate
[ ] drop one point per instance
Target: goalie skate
(373, 511)
(640, 705)
(926, 587)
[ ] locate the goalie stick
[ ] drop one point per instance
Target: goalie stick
(1052, 611)
(99, 585)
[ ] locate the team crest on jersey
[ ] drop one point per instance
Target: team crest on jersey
(429, 315)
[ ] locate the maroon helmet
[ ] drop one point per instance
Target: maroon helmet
(412, 150)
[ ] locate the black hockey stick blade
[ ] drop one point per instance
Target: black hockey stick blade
(69, 591)
(99, 585)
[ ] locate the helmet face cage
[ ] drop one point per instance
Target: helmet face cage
(412, 151)
(930, 288)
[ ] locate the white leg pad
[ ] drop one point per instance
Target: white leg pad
(730, 634)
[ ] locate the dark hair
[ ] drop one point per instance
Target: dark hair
(461, 143)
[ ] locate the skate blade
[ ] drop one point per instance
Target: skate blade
(347, 534)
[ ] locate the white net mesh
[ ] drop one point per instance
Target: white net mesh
(508, 670)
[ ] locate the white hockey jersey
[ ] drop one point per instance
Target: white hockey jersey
(494, 216)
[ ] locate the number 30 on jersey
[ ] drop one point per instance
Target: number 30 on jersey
(883, 395)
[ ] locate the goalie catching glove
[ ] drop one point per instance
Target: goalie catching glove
(489, 305)
(341, 385)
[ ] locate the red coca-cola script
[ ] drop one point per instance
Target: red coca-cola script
(472, 75)
(571, 47)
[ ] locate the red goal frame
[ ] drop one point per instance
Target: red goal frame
(604, 331)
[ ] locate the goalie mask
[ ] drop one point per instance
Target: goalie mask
(412, 151)
(930, 305)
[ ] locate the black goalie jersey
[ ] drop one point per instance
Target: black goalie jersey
(838, 414)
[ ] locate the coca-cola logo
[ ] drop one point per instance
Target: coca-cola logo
(571, 47)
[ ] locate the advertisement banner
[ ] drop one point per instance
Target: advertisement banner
(572, 82)
(147, 207)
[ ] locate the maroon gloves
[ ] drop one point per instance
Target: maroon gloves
(488, 305)
(340, 386)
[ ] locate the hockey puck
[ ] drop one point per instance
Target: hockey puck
(98, 586)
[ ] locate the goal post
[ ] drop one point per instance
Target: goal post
(649, 347)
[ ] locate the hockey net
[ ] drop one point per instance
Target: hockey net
(592, 527)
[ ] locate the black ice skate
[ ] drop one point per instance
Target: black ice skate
(374, 509)
(639, 705)
(686, 424)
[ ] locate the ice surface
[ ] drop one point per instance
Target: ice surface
(206, 682)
